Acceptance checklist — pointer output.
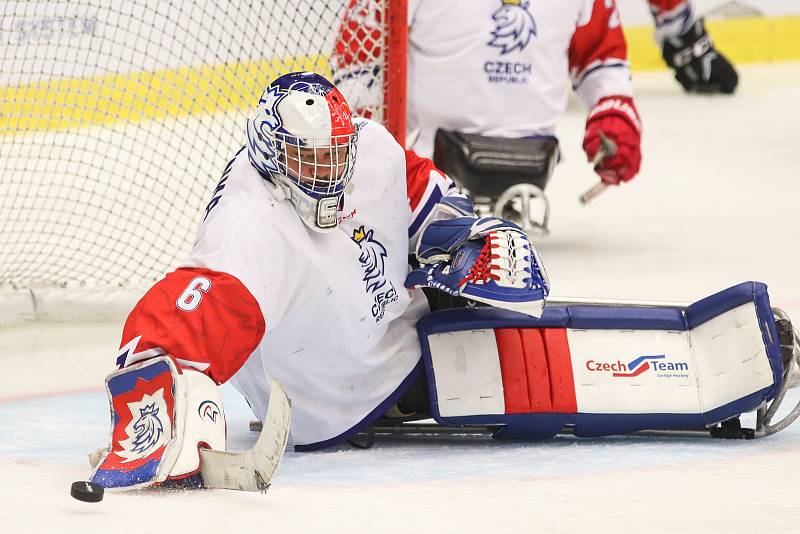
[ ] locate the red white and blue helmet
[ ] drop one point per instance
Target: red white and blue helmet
(302, 138)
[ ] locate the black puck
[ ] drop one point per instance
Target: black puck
(86, 491)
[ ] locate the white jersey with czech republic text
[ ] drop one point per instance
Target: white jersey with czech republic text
(504, 67)
(261, 296)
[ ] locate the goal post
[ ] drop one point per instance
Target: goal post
(117, 118)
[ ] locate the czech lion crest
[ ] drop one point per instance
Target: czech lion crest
(372, 257)
(148, 427)
(514, 26)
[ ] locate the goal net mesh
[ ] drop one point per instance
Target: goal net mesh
(117, 119)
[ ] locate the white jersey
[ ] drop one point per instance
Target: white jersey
(338, 324)
(503, 68)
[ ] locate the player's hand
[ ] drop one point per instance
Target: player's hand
(441, 239)
(484, 259)
(500, 267)
(616, 119)
(698, 66)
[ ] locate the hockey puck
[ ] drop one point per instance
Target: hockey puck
(86, 491)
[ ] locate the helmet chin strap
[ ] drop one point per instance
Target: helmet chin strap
(320, 215)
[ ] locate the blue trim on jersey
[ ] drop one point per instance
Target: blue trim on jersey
(434, 198)
(371, 417)
(593, 69)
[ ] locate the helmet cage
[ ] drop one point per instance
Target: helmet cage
(303, 139)
(319, 166)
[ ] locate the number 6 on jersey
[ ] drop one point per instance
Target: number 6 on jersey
(193, 294)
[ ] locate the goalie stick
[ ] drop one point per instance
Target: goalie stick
(250, 470)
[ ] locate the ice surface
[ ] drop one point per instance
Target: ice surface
(715, 204)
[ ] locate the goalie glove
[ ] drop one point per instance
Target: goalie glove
(160, 417)
(488, 260)
(698, 66)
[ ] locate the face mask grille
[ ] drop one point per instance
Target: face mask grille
(320, 166)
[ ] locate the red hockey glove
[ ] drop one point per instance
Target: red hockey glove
(616, 118)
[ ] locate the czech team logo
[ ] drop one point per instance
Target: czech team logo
(636, 367)
(372, 260)
(514, 26)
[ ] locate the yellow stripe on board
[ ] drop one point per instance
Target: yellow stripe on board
(66, 103)
(742, 40)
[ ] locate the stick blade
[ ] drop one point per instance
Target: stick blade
(252, 470)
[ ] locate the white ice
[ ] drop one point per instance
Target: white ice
(714, 205)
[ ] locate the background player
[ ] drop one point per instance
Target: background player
(688, 50)
(503, 69)
(498, 69)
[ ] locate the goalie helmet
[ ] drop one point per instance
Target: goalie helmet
(302, 138)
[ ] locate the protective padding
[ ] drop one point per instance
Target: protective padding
(145, 440)
(536, 370)
(204, 423)
(159, 418)
(603, 369)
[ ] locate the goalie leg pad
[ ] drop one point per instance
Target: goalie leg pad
(159, 417)
(603, 369)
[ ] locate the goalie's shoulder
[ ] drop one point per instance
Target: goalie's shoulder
(239, 185)
(240, 206)
(373, 136)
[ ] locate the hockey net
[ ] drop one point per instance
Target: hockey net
(117, 118)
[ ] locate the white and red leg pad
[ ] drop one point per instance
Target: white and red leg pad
(603, 369)
(159, 418)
